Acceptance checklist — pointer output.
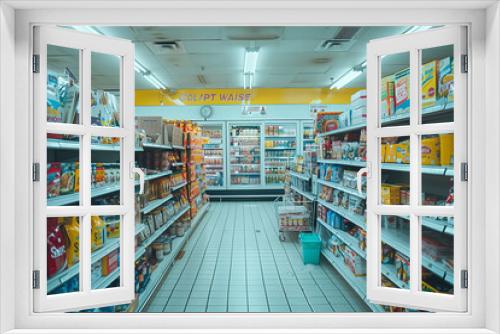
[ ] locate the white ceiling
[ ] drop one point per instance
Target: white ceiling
(288, 57)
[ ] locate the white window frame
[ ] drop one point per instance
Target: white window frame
(85, 44)
(413, 44)
(483, 17)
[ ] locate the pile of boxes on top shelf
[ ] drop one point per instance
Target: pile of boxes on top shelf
(156, 130)
(196, 171)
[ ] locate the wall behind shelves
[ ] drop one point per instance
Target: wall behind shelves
(233, 112)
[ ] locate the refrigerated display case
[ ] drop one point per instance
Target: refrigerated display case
(244, 146)
(307, 135)
(214, 154)
(280, 145)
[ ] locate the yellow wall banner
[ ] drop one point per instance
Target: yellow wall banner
(257, 96)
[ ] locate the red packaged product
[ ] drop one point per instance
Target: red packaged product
(56, 247)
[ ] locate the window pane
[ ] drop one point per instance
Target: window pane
(63, 170)
(437, 169)
(437, 85)
(437, 254)
(395, 171)
(63, 255)
(105, 171)
(395, 260)
(63, 90)
(105, 247)
(395, 89)
(105, 99)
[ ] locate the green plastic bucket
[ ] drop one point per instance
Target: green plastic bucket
(311, 247)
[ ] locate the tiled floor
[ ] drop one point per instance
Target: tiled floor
(234, 262)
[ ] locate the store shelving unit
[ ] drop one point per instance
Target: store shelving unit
(162, 269)
(214, 154)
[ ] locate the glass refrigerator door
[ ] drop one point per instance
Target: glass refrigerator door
(213, 153)
(244, 155)
(280, 148)
(307, 135)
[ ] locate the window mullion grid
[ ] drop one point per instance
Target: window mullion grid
(415, 172)
(85, 174)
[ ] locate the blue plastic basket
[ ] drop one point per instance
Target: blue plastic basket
(311, 247)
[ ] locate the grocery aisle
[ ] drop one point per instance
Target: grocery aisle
(235, 262)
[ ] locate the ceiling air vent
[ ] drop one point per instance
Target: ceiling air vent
(342, 41)
(163, 47)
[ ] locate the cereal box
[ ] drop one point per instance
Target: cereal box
(431, 151)
(402, 153)
(387, 98)
(445, 81)
(429, 84)
(446, 146)
(402, 91)
(390, 194)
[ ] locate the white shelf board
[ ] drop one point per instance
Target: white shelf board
(280, 148)
(353, 163)
(178, 186)
(343, 130)
(348, 239)
(358, 283)
(300, 175)
(155, 176)
(64, 144)
(146, 243)
(156, 203)
(426, 169)
(105, 281)
(342, 188)
(306, 194)
(355, 219)
(157, 275)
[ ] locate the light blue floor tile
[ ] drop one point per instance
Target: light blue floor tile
(321, 308)
(279, 308)
(177, 301)
(300, 308)
(174, 308)
(217, 301)
(155, 308)
(297, 301)
(217, 308)
(343, 308)
(197, 301)
(194, 308)
(238, 308)
(258, 308)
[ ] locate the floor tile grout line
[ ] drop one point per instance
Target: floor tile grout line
(230, 265)
(275, 263)
(201, 263)
(291, 265)
(217, 261)
(260, 262)
(198, 236)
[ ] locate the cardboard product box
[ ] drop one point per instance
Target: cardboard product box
(383, 149)
(109, 263)
(402, 91)
(447, 148)
(327, 121)
(360, 94)
(391, 153)
(358, 103)
(429, 84)
(354, 262)
(153, 126)
(358, 116)
(173, 135)
(390, 194)
(403, 153)
(445, 78)
(431, 151)
(345, 119)
(387, 97)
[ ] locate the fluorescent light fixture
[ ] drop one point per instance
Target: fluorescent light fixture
(139, 68)
(345, 79)
(251, 56)
(154, 81)
(90, 29)
(416, 29)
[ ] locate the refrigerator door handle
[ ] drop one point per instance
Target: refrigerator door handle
(135, 170)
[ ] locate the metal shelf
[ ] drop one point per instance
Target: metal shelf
(342, 188)
(346, 238)
(354, 163)
(145, 244)
(280, 148)
(306, 194)
(355, 219)
(427, 169)
(300, 176)
(343, 130)
(178, 186)
(156, 203)
(64, 144)
(157, 275)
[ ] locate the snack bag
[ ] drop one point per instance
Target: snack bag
(67, 182)
(98, 228)
(77, 177)
(445, 83)
(56, 247)
(72, 228)
(53, 179)
(431, 151)
(446, 149)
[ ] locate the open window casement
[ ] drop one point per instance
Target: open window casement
(402, 146)
(82, 118)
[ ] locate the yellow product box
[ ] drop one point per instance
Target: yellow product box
(446, 143)
(403, 153)
(390, 153)
(383, 148)
(445, 81)
(390, 194)
(387, 98)
(429, 84)
(431, 151)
